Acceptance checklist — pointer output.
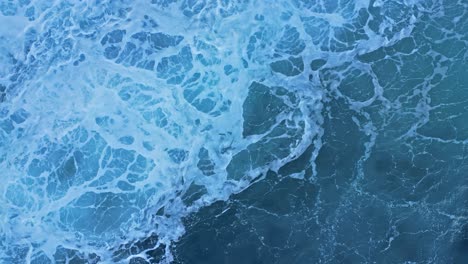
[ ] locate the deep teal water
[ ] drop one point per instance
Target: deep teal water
(234, 131)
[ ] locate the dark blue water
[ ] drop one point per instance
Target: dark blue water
(234, 131)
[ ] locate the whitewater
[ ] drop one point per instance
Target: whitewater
(120, 119)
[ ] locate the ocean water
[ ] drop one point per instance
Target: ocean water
(233, 131)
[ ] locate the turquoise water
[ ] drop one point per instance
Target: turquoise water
(233, 131)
